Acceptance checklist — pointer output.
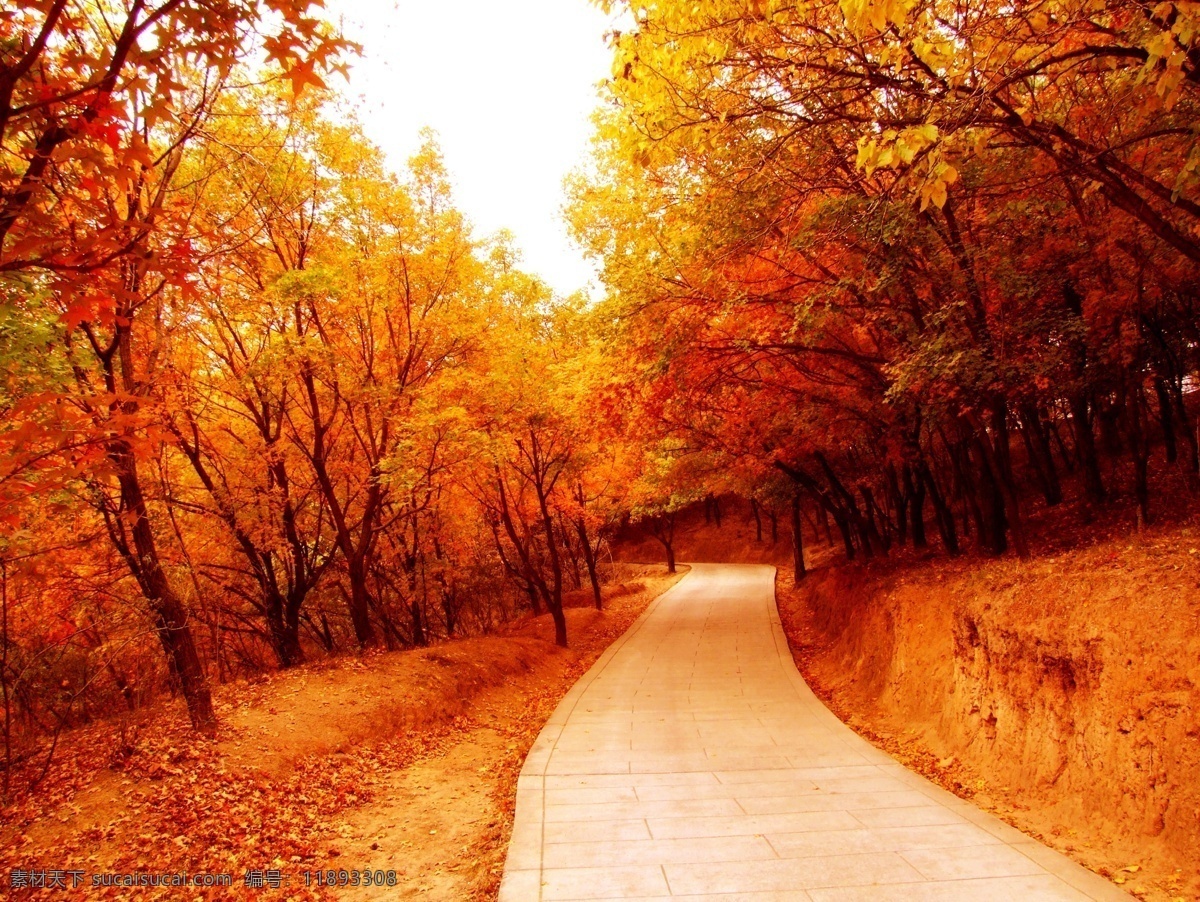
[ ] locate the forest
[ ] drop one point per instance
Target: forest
(915, 272)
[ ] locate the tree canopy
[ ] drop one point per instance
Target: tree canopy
(924, 269)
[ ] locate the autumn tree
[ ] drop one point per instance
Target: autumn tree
(815, 225)
(95, 128)
(235, 393)
(532, 442)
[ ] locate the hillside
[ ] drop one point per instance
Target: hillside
(402, 761)
(1060, 693)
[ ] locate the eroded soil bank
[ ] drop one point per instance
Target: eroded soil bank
(1062, 693)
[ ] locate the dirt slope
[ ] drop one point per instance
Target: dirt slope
(403, 761)
(443, 822)
(1062, 693)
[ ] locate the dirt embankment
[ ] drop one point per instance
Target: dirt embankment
(403, 762)
(444, 822)
(1062, 693)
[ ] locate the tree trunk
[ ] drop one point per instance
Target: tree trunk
(525, 575)
(989, 503)
(283, 623)
(879, 537)
(1068, 460)
(170, 615)
(419, 636)
(560, 625)
(831, 501)
(534, 601)
(900, 500)
(554, 599)
(967, 485)
(850, 515)
(572, 555)
(757, 520)
(942, 513)
(1041, 459)
(1166, 417)
(1108, 416)
(1134, 417)
(326, 633)
(359, 602)
(798, 568)
(1005, 508)
(589, 559)
(1000, 447)
(843, 525)
(915, 491)
(1085, 448)
(450, 610)
(662, 527)
(1189, 431)
(281, 612)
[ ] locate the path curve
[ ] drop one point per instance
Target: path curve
(692, 760)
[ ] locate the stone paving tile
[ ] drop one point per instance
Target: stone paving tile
(587, 763)
(521, 884)
(794, 822)
(588, 744)
(720, 759)
(567, 781)
(806, 774)
(658, 851)
(871, 869)
(910, 816)
(611, 811)
(997, 860)
(693, 762)
(596, 831)
(802, 799)
(1091, 885)
(611, 882)
(725, 790)
(591, 795)
(830, 758)
(888, 839)
(872, 783)
(1041, 888)
(795, 895)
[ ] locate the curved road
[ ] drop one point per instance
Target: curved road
(692, 760)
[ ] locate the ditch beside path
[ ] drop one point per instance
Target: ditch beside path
(693, 761)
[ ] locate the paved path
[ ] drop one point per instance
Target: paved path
(693, 761)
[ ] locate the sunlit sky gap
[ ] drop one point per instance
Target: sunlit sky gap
(508, 86)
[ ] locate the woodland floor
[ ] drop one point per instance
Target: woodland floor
(404, 761)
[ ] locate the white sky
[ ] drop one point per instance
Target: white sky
(508, 85)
